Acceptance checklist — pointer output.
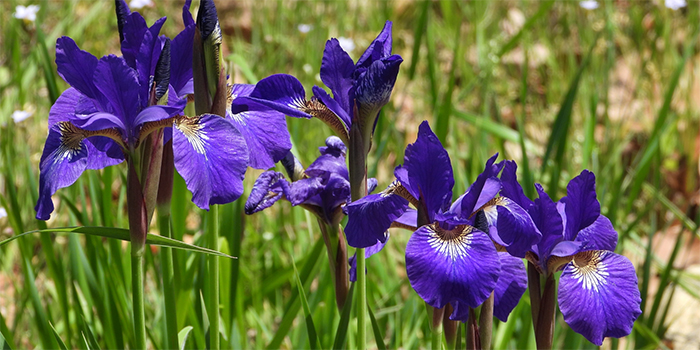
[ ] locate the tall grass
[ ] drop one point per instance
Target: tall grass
(543, 83)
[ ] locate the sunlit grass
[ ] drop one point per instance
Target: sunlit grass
(488, 75)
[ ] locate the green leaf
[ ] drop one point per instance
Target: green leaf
(375, 328)
(491, 127)
(61, 344)
(183, 335)
(342, 331)
(123, 234)
(310, 328)
(3, 344)
(88, 336)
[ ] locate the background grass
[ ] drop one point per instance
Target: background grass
(551, 85)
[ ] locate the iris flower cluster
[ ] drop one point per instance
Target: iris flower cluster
(460, 253)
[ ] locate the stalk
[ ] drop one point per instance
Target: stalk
(544, 331)
(337, 259)
(450, 328)
(533, 284)
(138, 228)
(357, 169)
(436, 326)
(486, 323)
(472, 332)
(213, 280)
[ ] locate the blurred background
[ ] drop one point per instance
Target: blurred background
(558, 86)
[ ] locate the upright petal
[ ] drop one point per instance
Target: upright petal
(373, 89)
(339, 120)
(369, 217)
(76, 67)
(119, 84)
(337, 71)
(511, 285)
(429, 170)
(486, 182)
(457, 265)
(123, 11)
(514, 227)
(268, 189)
(599, 296)
(181, 61)
(212, 157)
(511, 187)
(581, 204)
(134, 27)
(549, 222)
(332, 159)
(379, 48)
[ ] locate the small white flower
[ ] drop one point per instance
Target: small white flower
(19, 116)
(138, 4)
(26, 12)
(588, 4)
(675, 4)
(307, 68)
(305, 28)
(3, 213)
(346, 44)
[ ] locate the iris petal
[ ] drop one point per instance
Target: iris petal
(119, 84)
(281, 92)
(212, 157)
(600, 235)
(458, 265)
(379, 48)
(511, 186)
(337, 69)
(76, 66)
(429, 170)
(582, 206)
(515, 229)
(474, 196)
(373, 88)
(511, 285)
(599, 296)
(268, 189)
(369, 251)
(369, 217)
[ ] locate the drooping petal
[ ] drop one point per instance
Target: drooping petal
(599, 296)
(332, 159)
(429, 170)
(66, 155)
(72, 105)
(119, 84)
(407, 220)
(281, 92)
(600, 235)
(379, 48)
(457, 265)
(155, 113)
(340, 120)
(511, 285)
(76, 67)
(302, 191)
(335, 193)
(337, 69)
(369, 217)
(212, 157)
(373, 88)
(581, 204)
(369, 251)
(268, 189)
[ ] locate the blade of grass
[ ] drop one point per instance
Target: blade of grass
(4, 344)
(342, 331)
(60, 342)
(378, 337)
(420, 29)
(183, 335)
(310, 328)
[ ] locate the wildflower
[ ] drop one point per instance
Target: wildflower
(346, 44)
(359, 89)
(675, 4)
(598, 293)
(588, 4)
(19, 116)
(3, 213)
(305, 28)
(450, 257)
(27, 13)
(138, 4)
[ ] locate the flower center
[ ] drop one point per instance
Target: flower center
(589, 269)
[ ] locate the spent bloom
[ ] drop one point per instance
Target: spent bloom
(20, 115)
(450, 257)
(598, 293)
(27, 13)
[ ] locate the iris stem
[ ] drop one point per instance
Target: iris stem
(361, 300)
(533, 282)
(357, 170)
(166, 259)
(213, 280)
(337, 259)
(486, 323)
(544, 331)
(436, 339)
(137, 267)
(472, 332)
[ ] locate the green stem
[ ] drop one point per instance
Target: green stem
(533, 284)
(137, 267)
(166, 260)
(486, 323)
(361, 300)
(544, 331)
(357, 169)
(213, 280)
(436, 339)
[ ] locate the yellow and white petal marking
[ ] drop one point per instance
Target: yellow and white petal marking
(396, 187)
(589, 269)
(72, 137)
(450, 243)
(192, 129)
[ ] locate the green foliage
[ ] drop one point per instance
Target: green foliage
(551, 85)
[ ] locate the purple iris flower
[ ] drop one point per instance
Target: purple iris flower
(359, 89)
(322, 188)
(450, 257)
(598, 293)
(115, 102)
